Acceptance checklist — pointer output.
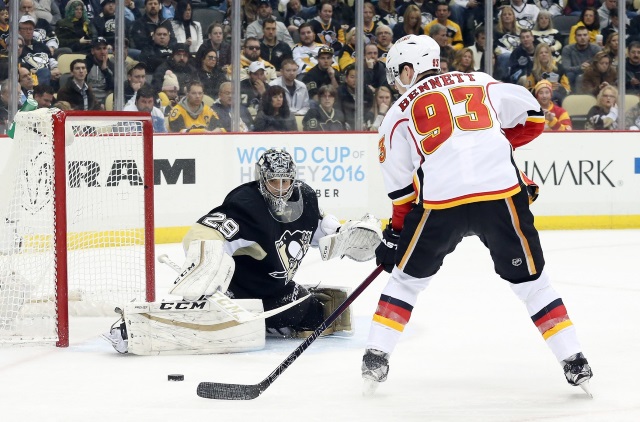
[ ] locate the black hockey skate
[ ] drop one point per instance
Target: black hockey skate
(578, 372)
(375, 367)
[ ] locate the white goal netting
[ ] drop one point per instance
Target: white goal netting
(102, 189)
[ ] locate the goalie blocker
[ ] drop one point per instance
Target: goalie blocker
(199, 327)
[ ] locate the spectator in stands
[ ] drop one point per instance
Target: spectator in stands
(526, 13)
(612, 27)
(439, 34)
(321, 74)
(271, 49)
(411, 23)
(632, 118)
(274, 114)
(384, 41)
(325, 117)
(47, 10)
(209, 73)
(76, 91)
(598, 74)
(552, 7)
(74, 30)
(375, 71)
(611, 48)
(136, 79)
(131, 12)
(463, 61)
(545, 33)
(632, 68)
(454, 33)
(185, 29)
(347, 99)
(427, 9)
(575, 7)
(191, 115)
(521, 59)
(633, 34)
(35, 54)
(305, 53)
(171, 94)
(383, 100)
(577, 57)
(386, 13)
(478, 48)
(468, 14)
(104, 25)
(99, 70)
(587, 20)
(506, 37)
(328, 29)
(444, 65)
(179, 64)
(168, 9)
(604, 115)
(159, 51)
(556, 118)
(144, 101)
(296, 15)
(62, 105)
(265, 12)
(222, 107)
(250, 54)
(92, 7)
(4, 28)
(369, 25)
(546, 67)
(343, 14)
(143, 30)
(217, 43)
(295, 91)
(607, 11)
(44, 31)
(348, 54)
(253, 88)
(44, 95)
(25, 79)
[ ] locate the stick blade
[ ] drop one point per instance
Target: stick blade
(220, 391)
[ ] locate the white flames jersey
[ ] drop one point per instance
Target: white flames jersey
(447, 141)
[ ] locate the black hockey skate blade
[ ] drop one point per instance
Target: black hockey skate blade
(175, 377)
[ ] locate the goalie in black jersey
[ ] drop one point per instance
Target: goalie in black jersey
(251, 246)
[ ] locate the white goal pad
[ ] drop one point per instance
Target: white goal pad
(76, 220)
(191, 328)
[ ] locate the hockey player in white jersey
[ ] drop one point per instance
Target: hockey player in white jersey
(445, 151)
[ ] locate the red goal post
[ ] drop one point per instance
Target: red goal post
(76, 220)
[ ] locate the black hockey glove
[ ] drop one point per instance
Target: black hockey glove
(386, 251)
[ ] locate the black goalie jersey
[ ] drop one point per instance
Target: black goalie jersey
(267, 252)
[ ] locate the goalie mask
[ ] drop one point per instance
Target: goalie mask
(276, 173)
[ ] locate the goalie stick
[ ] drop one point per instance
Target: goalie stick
(221, 391)
(229, 306)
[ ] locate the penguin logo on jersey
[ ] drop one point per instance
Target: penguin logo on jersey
(291, 248)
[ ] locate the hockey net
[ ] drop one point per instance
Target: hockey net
(76, 221)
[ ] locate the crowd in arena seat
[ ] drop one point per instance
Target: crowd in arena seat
(298, 58)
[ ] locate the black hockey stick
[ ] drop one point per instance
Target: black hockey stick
(220, 391)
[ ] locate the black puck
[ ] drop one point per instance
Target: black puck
(175, 377)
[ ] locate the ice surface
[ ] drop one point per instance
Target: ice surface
(470, 353)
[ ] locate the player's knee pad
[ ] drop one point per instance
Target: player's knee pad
(535, 294)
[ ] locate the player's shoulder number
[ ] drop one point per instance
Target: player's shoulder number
(220, 222)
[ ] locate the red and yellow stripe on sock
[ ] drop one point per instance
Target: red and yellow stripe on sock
(552, 319)
(392, 313)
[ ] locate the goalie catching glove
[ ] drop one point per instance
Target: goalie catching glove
(356, 239)
(386, 251)
(207, 268)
